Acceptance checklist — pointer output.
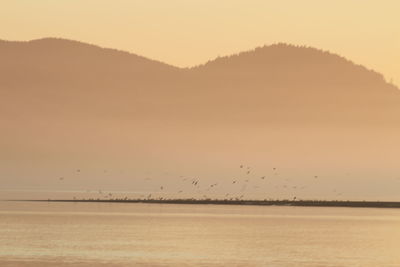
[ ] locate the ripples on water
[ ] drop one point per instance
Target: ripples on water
(111, 234)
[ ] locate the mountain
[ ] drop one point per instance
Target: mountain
(304, 83)
(46, 74)
(269, 84)
(66, 103)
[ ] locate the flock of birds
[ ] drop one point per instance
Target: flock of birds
(198, 189)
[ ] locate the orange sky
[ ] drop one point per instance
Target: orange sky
(188, 32)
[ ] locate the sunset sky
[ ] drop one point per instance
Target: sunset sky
(188, 32)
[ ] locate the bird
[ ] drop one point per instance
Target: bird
(61, 178)
(263, 177)
(233, 182)
(241, 166)
(161, 187)
(78, 170)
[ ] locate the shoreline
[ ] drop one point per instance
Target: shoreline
(292, 203)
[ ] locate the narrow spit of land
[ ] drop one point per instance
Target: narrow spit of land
(298, 203)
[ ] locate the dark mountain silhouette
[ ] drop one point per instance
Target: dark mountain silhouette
(302, 83)
(271, 83)
(63, 100)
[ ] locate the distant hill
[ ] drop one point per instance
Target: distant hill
(305, 83)
(281, 79)
(64, 100)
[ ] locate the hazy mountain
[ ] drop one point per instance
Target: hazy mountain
(298, 83)
(270, 84)
(64, 103)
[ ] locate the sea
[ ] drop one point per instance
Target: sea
(132, 234)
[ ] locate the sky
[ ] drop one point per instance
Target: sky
(187, 32)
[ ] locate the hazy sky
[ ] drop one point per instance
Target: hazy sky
(188, 32)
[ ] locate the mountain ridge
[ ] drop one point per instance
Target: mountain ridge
(272, 83)
(77, 44)
(209, 63)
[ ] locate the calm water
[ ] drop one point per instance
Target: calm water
(92, 234)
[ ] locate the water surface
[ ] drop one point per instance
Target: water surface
(122, 234)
